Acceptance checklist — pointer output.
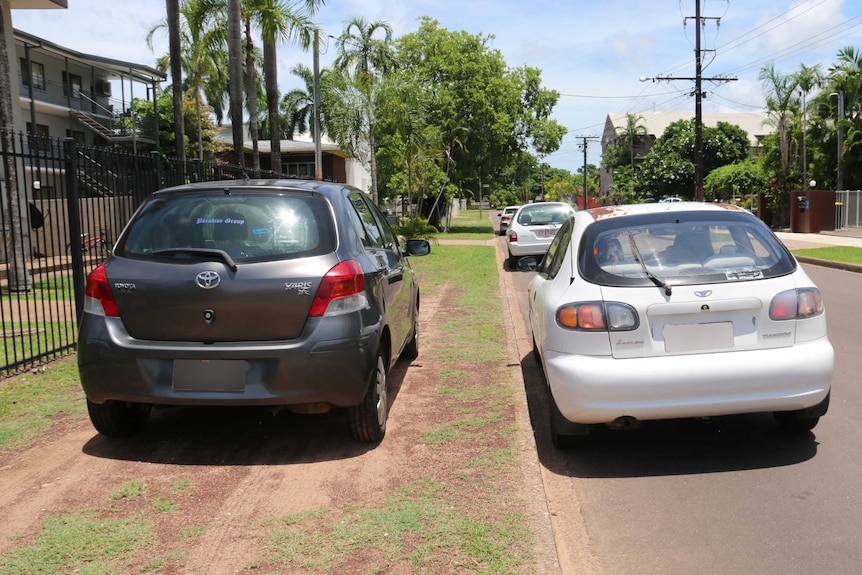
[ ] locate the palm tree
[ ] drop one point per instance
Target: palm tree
(368, 59)
(298, 104)
(780, 102)
(203, 58)
(175, 48)
(276, 22)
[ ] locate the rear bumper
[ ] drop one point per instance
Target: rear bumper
(521, 249)
(589, 389)
(318, 367)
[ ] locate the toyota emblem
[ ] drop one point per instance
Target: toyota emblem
(208, 279)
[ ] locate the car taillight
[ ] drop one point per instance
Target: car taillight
(98, 298)
(513, 237)
(796, 304)
(598, 316)
(341, 291)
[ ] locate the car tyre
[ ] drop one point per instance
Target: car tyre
(411, 350)
(512, 262)
(803, 420)
(118, 418)
(564, 433)
(368, 419)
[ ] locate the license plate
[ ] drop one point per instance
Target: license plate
(546, 233)
(681, 338)
(209, 374)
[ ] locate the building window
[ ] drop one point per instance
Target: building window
(73, 81)
(298, 169)
(80, 137)
(36, 73)
(40, 141)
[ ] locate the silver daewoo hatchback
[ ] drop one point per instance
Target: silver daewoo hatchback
(673, 310)
(267, 293)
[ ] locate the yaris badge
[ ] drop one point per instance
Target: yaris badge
(208, 280)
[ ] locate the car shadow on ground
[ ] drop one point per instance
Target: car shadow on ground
(240, 435)
(660, 448)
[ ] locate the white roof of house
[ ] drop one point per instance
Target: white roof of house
(755, 125)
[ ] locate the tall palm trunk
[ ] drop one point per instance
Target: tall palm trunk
(19, 277)
(270, 78)
(175, 51)
(234, 31)
(251, 92)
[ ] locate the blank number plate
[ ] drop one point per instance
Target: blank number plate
(698, 336)
(209, 375)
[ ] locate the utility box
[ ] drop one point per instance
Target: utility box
(812, 211)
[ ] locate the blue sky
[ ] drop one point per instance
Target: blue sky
(592, 52)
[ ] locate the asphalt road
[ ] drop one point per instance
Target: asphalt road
(726, 495)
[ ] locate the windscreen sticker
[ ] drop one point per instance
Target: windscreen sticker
(746, 274)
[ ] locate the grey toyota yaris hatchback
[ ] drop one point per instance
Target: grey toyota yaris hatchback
(255, 292)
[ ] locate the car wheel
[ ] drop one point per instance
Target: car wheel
(564, 433)
(368, 419)
(795, 422)
(118, 418)
(803, 420)
(411, 350)
(512, 262)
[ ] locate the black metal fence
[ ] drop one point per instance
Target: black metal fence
(63, 206)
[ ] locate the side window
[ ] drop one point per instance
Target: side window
(557, 250)
(370, 232)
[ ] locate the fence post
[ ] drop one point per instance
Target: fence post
(160, 182)
(74, 210)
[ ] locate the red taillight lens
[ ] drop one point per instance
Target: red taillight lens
(796, 304)
(513, 237)
(342, 282)
(98, 289)
(598, 316)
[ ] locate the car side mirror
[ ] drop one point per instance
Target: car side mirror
(416, 247)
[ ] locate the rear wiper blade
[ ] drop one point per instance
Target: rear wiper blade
(207, 253)
(654, 278)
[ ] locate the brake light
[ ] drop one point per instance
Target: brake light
(513, 237)
(598, 316)
(341, 291)
(98, 298)
(796, 304)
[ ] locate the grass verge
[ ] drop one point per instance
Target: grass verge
(31, 403)
(845, 254)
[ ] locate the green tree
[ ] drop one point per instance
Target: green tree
(668, 168)
(736, 180)
(367, 58)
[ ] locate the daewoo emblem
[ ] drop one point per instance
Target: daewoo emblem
(208, 279)
(703, 293)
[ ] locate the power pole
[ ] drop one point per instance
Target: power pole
(583, 146)
(700, 21)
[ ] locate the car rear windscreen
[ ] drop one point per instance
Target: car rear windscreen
(254, 226)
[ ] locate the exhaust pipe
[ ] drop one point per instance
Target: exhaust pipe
(626, 422)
